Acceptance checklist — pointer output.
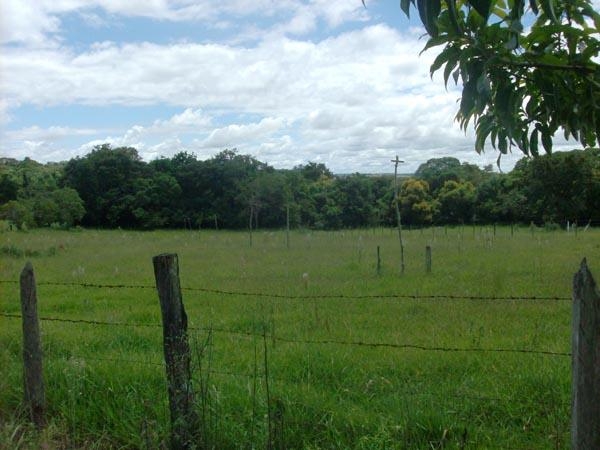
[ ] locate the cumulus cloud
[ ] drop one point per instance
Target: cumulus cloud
(234, 135)
(25, 21)
(39, 22)
(54, 133)
(283, 74)
(352, 100)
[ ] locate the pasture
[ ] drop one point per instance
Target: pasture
(305, 347)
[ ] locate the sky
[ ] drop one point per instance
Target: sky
(286, 81)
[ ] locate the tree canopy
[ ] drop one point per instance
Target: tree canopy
(527, 68)
(112, 187)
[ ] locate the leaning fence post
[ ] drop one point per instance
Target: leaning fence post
(177, 351)
(585, 424)
(33, 379)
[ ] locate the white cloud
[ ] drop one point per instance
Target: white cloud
(190, 120)
(359, 91)
(352, 100)
(235, 135)
(54, 133)
(25, 21)
(5, 116)
(38, 22)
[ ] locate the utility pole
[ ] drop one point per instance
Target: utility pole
(398, 217)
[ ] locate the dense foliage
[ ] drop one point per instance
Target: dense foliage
(113, 187)
(527, 69)
(31, 195)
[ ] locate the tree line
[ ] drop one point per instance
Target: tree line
(113, 187)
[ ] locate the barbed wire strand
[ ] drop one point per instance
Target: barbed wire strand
(317, 342)
(131, 324)
(309, 297)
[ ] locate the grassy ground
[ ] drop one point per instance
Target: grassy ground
(326, 387)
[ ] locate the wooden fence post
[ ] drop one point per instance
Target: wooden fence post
(33, 379)
(585, 425)
(184, 423)
(428, 259)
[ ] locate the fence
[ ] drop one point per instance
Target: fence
(585, 355)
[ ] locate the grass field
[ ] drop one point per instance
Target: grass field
(316, 308)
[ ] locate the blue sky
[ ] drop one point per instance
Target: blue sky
(286, 81)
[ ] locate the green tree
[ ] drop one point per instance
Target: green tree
(437, 171)
(8, 189)
(154, 201)
(501, 199)
(355, 200)
(63, 207)
(228, 177)
(416, 204)
(106, 181)
(269, 197)
(456, 202)
(314, 171)
(527, 69)
(19, 212)
(562, 186)
(70, 206)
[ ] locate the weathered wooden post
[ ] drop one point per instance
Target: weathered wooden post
(428, 259)
(33, 379)
(585, 425)
(177, 351)
(378, 261)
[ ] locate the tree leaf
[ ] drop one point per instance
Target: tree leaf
(450, 65)
(455, 75)
(482, 7)
(503, 144)
(483, 86)
(428, 12)
(433, 42)
(533, 143)
(452, 14)
(440, 60)
(547, 141)
(484, 127)
(548, 8)
(405, 6)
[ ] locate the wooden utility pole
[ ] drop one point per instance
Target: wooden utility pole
(398, 217)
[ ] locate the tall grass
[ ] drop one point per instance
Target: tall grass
(106, 384)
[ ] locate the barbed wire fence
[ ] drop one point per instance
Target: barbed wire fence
(290, 340)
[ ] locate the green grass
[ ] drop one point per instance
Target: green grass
(106, 384)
